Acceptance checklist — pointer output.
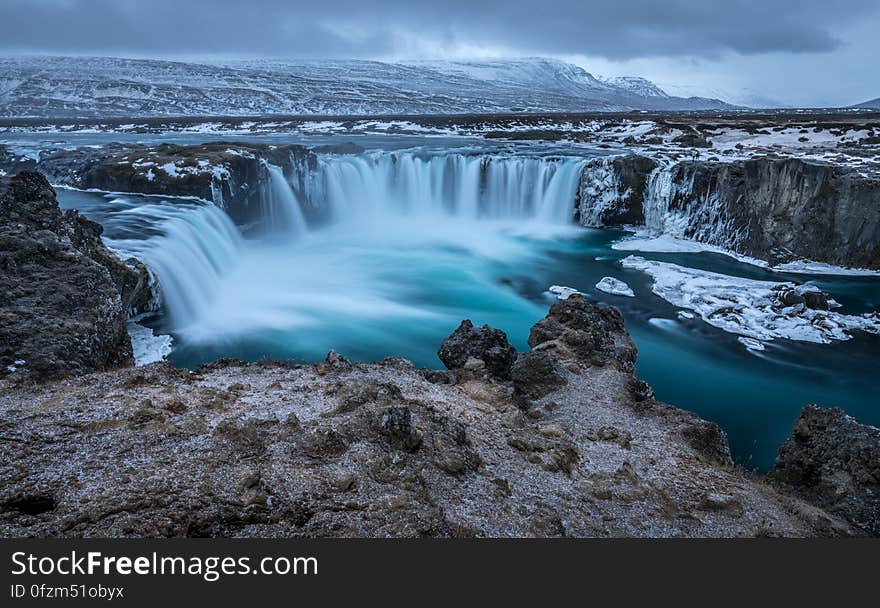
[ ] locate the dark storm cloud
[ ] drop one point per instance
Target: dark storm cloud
(619, 29)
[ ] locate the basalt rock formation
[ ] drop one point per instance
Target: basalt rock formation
(775, 208)
(833, 461)
(771, 208)
(486, 344)
(64, 296)
(233, 175)
(612, 190)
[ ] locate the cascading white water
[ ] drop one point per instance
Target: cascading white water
(466, 186)
(214, 281)
(194, 247)
(281, 209)
(659, 192)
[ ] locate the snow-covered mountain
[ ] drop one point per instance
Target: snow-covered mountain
(874, 104)
(636, 85)
(108, 87)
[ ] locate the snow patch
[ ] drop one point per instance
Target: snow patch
(751, 343)
(15, 365)
(561, 292)
(615, 287)
(748, 307)
(148, 347)
(809, 267)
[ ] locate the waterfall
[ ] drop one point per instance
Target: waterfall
(660, 190)
(281, 209)
(189, 249)
(460, 185)
(201, 260)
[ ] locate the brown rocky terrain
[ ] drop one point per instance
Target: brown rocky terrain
(574, 445)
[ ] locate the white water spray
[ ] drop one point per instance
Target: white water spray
(195, 246)
(459, 185)
(281, 209)
(376, 211)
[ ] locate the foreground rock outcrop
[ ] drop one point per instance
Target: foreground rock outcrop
(64, 297)
(383, 449)
(833, 461)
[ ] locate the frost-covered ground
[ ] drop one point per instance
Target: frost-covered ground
(850, 139)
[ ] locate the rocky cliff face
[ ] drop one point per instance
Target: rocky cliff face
(771, 208)
(612, 190)
(833, 461)
(571, 445)
(63, 295)
(232, 175)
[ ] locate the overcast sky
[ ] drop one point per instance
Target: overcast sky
(799, 52)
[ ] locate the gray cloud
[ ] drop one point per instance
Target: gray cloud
(804, 52)
(618, 30)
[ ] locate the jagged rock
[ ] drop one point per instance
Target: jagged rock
(588, 333)
(485, 343)
(805, 295)
(63, 294)
(640, 390)
(336, 360)
(396, 424)
(708, 439)
(790, 297)
(834, 462)
(816, 300)
(535, 375)
(231, 174)
(451, 451)
(12, 163)
(693, 139)
(439, 376)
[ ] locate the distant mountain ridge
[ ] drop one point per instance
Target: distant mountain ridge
(873, 104)
(637, 85)
(67, 87)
